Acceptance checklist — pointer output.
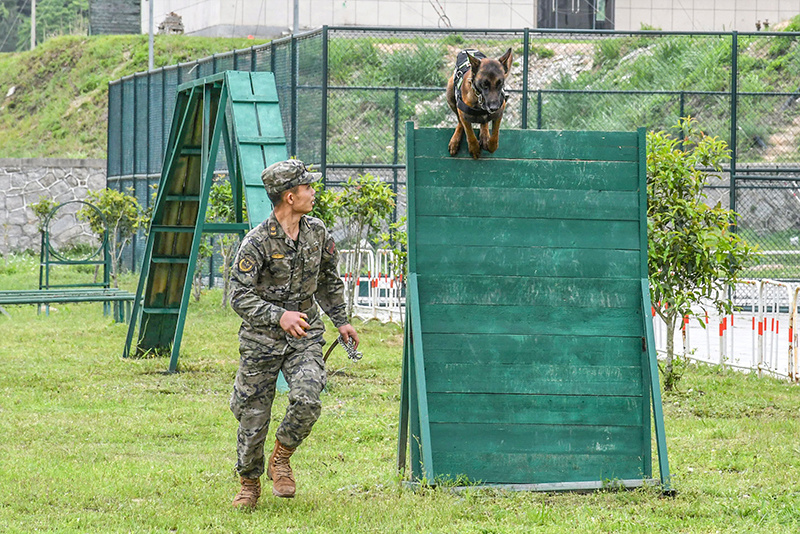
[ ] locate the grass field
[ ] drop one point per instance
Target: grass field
(90, 442)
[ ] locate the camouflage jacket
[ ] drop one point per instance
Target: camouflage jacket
(273, 273)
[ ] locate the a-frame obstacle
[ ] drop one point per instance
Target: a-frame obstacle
(239, 110)
(529, 360)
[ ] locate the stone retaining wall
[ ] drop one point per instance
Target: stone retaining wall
(26, 181)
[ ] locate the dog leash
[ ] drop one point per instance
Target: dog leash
(352, 353)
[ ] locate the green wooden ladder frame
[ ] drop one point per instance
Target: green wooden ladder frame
(529, 359)
(239, 109)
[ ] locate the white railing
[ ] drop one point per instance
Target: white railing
(380, 290)
(761, 336)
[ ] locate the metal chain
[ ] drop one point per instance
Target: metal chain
(352, 353)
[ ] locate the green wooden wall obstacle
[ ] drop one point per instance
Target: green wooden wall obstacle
(529, 360)
(239, 110)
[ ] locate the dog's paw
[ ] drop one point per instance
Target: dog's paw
(453, 147)
(491, 146)
(475, 151)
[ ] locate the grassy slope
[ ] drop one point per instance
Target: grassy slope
(60, 89)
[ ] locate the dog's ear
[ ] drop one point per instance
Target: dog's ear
(474, 62)
(506, 60)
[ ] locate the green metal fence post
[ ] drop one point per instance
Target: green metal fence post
(324, 134)
(538, 109)
(396, 146)
(734, 106)
(525, 53)
(272, 57)
(293, 103)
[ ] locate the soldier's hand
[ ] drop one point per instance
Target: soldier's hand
(348, 332)
(295, 323)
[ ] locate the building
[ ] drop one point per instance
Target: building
(271, 18)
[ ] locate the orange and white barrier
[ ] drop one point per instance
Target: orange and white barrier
(380, 291)
(759, 336)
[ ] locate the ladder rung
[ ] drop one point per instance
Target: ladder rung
(254, 99)
(226, 228)
(257, 140)
(168, 228)
(191, 151)
(162, 311)
(169, 259)
(183, 198)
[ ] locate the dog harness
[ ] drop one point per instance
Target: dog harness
(479, 114)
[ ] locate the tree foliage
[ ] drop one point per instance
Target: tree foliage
(124, 216)
(53, 17)
(693, 256)
(221, 210)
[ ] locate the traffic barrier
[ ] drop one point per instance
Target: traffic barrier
(760, 335)
(380, 290)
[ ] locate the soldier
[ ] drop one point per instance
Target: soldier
(284, 267)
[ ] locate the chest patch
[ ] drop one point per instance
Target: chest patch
(277, 256)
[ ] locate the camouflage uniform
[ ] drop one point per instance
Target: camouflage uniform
(272, 274)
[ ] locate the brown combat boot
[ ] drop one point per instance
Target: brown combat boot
(249, 494)
(280, 472)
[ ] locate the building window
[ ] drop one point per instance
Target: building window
(576, 14)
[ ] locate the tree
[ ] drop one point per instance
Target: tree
(124, 216)
(327, 205)
(396, 239)
(220, 210)
(693, 256)
(42, 209)
(53, 17)
(366, 204)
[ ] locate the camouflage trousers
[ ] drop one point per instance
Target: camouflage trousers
(254, 391)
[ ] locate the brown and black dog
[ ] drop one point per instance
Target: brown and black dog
(476, 94)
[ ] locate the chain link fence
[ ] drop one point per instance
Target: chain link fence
(346, 93)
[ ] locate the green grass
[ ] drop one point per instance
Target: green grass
(95, 443)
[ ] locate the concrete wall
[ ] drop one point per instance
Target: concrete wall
(26, 181)
(703, 15)
(271, 18)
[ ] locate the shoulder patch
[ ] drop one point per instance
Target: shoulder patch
(331, 248)
(246, 264)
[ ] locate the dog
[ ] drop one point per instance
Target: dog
(475, 93)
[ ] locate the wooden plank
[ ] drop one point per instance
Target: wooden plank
(481, 438)
(532, 174)
(528, 291)
(534, 377)
(530, 320)
(411, 185)
(524, 409)
(420, 379)
(492, 260)
(519, 203)
(559, 349)
(263, 84)
(546, 144)
(467, 231)
(532, 468)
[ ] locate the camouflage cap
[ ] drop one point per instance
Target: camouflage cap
(284, 175)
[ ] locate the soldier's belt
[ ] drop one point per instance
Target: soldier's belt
(301, 306)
